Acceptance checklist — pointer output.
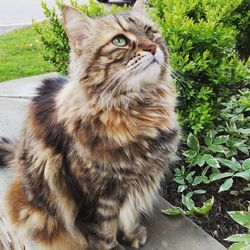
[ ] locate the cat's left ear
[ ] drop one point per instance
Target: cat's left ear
(77, 25)
(139, 5)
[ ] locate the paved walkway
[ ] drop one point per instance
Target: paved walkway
(165, 233)
(15, 14)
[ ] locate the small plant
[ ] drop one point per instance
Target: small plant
(202, 42)
(212, 162)
(213, 157)
(191, 208)
(242, 241)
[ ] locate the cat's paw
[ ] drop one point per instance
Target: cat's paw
(137, 238)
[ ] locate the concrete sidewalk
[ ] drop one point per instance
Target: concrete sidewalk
(165, 233)
(17, 14)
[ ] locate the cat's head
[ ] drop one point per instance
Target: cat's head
(115, 52)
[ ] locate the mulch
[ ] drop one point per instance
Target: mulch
(218, 224)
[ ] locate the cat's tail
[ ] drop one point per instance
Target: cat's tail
(7, 149)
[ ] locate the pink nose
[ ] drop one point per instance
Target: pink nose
(147, 45)
(150, 48)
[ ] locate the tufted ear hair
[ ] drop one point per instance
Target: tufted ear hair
(77, 25)
(139, 5)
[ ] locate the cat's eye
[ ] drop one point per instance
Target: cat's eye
(120, 41)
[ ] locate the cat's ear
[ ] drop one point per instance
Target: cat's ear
(77, 25)
(139, 5)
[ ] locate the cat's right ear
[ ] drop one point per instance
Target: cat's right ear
(77, 26)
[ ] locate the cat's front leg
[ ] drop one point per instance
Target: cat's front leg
(136, 237)
(103, 236)
(133, 232)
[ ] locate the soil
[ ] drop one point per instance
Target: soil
(218, 224)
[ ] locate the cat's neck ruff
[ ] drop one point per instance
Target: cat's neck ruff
(121, 122)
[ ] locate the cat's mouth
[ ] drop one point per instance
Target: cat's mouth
(150, 63)
(156, 60)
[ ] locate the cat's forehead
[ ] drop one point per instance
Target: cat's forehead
(129, 22)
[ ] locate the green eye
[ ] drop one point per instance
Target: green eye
(120, 41)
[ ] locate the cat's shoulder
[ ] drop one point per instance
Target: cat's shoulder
(51, 85)
(48, 89)
(44, 100)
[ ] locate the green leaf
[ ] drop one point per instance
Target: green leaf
(200, 161)
(193, 142)
(245, 175)
(235, 166)
(175, 211)
(177, 172)
(239, 246)
(207, 157)
(244, 150)
(226, 185)
(204, 171)
(232, 125)
(221, 176)
(188, 202)
(216, 148)
(213, 163)
(183, 170)
(207, 206)
(189, 194)
(198, 180)
(221, 139)
(189, 177)
(200, 191)
(179, 180)
(245, 131)
(246, 164)
(190, 153)
(239, 238)
(247, 188)
(181, 188)
(241, 217)
(209, 139)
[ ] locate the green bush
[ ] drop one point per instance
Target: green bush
(202, 52)
(242, 22)
(201, 43)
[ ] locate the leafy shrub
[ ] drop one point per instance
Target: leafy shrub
(201, 43)
(242, 241)
(241, 19)
(212, 158)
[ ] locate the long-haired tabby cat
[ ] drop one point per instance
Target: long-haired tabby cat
(94, 148)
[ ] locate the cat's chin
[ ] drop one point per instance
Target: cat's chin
(150, 74)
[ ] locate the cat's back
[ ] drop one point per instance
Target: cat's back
(42, 123)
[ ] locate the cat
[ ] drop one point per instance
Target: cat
(95, 147)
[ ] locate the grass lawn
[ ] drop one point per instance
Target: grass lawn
(21, 55)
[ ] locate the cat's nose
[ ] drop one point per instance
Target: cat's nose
(147, 45)
(151, 48)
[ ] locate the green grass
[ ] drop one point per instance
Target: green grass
(21, 55)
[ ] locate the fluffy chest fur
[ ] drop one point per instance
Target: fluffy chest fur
(113, 154)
